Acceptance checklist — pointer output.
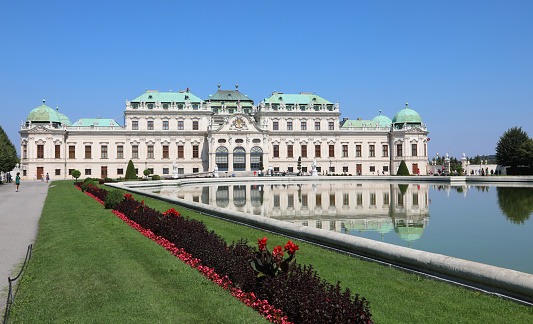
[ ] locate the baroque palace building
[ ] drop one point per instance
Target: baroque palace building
(163, 130)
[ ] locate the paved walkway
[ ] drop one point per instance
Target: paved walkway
(19, 219)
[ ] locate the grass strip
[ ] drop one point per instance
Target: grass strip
(395, 296)
(90, 266)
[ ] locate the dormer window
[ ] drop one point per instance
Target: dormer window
(150, 106)
(314, 99)
(165, 106)
(150, 97)
(280, 98)
(186, 97)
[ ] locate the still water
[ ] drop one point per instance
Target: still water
(487, 224)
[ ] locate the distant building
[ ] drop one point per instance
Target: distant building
(226, 129)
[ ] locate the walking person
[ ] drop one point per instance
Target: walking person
(47, 177)
(17, 181)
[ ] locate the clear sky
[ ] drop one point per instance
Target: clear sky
(465, 66)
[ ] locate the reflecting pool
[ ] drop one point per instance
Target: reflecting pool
(487, 224)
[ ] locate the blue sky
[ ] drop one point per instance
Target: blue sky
(465, 66)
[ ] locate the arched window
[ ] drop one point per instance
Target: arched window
(255, 157)
(221, 158)
(239, 195)
(222, 196)
(239, 159)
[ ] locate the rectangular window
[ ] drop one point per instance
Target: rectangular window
(332, 199)
(58, 152)
(345, 169)
(150, 151)
(166, 171)
(425, 149)
(120, 151)
(414, 150)
(373, 199)
(372, 150)
(195, 170)
(58, 172)
(195, 151)
(275, 125)
(120, 171)
(87, 151)
(151, 170)
(304, 201)
(180, 151)
(345, 151)
(332, 151)
(359, 199)
(290, 201)
(134, 125)
(165, 124)
(70, 171)
(150, 125)
(180, 124)
(290, 169)
(104, 151)
(304, 125)
(386, 198)
(289, 151)
(318, 200)
(304, 150)
(399, 150)
(181, 170)
(345, 199)
(276, 201)
(317, 125)
(24, 151)
(386, 168)
(40, 151)
(331, 126)
(135, 151)
(317, 151)
(385, 150)
(358, 150)
(276, 150)
(165, 152)
(289, 125)
(372, 168)
(87, 171)
(72, 152)
(195, 125)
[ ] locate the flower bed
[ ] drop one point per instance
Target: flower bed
(253, 275)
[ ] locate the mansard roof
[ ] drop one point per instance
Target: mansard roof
(155, 95)
(228, 95)
(101, 122)
(303, 98)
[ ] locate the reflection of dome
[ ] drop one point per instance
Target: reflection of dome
(407, 116)
(382, 121)
(44, 114)
(409, 232)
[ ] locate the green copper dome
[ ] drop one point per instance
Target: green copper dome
(382, 121)
(44, 114)
(408, 116)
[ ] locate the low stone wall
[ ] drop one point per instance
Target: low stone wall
(494, 279)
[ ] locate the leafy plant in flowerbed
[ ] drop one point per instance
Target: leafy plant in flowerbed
(296, 290)
(97, 192)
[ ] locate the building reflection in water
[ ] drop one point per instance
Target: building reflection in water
(344, 207)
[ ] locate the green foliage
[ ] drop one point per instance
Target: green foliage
(8, 153)
(261, 167)
(515, 203)
(156, 177)
(146, 172)
(403, 188)
(525, 153)
(113, 197)
(89, 179)
(402, 170)
(299, 167)
(130, 171)
(76, 174)
(508, 147)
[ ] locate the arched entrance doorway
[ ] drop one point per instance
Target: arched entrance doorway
(239, 159)
(221, 158)
(255, 158)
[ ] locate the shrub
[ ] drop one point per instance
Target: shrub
(130, 171)
(402, 170)
(89, 179)
(156, 177)
(97, 192)
(114, 197)
(76, 174)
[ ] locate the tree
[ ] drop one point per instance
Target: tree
(299, 165)
(8, 153)
(130, 171)
(525, 153)
(146, 173)
(507, 149)
(402, 170)
(76, 174)
(261, 167)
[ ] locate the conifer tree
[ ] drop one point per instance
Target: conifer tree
(8, 153)
(402, 170)
(130, 171)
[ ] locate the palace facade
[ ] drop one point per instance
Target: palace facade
(166, 129)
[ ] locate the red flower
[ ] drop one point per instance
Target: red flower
(291, 247)
(262, 243)
(277, 253)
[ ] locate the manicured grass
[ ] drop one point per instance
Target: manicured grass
(395, 296)
(88, 266)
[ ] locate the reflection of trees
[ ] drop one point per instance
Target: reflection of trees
(516, 203)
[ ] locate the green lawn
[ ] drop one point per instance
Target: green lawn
(88, 266)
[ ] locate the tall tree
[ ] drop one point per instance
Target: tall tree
(130, 171)
(525, 153)
(507, 149)
(8, 153)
